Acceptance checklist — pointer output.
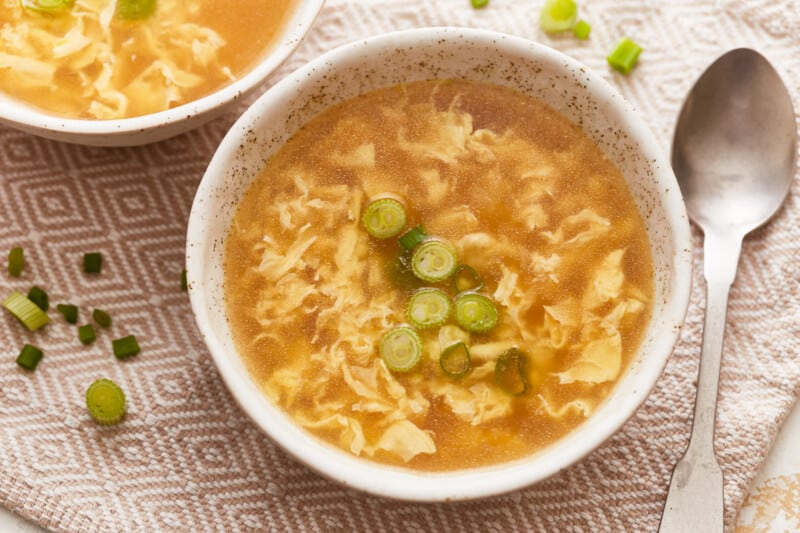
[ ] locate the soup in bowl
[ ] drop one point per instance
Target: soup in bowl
(123, 72)
(439, 264)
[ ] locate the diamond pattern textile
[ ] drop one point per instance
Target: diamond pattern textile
(187, 459)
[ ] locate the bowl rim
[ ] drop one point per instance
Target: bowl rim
(298, 23)
(421, 486)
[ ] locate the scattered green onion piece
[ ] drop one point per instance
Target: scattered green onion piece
(102, 318)
(38, 296)
(29, 357)
(184, 283)
(581, 30)
(125, 347)
(92, 262)
(16, 262)
(384, 218)
(135, 9)
(398, 271)
(625, 55)
(45, 6)
(475, 312)
(433, 261)
(69, 312)
(401, 349)
(509, 372)
(86, 334)
(558, 15)
(412, 237)
(105, 402)
(477, 4)
(429, 308)
(455, 360)
(27, 312)
(466, 278)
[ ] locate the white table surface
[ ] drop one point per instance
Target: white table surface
(760, 513)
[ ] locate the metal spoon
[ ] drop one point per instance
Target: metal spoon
(734, 156)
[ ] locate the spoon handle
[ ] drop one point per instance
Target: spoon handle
(695, 499)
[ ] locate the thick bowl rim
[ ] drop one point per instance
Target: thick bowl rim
(420, 486)
(288, 39)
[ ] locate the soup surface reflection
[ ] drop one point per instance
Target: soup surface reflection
(521, 195)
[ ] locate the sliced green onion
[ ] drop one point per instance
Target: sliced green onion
(27, 312)
(433, 261)
(466, 279)
(69, 312)
(16, 261)
(429, 308)
(625, 55)
(581, 30)
(477, 4)
(39, 297)
(29, 357)
(105, 402)
(86, 334)
(102, 318)
(135, 9)
(184, 283)
(412, 237)
(509, 372)
(125, 347)
(455, 360)
(384, 218)
(92, 262)
(401, 349)
(558, 15)
(475, 312)
(45, 6)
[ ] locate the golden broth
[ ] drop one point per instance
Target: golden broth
(85, 61)
(523, 196)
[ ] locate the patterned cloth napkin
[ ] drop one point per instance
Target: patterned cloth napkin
(187, 459)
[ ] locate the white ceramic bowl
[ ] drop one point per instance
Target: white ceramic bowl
(164, 124)
(431, 53)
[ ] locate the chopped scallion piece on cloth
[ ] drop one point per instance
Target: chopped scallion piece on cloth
(105, 402)
(184, 283)
(29, 357)
(86, 334)
(625, 55)
(92, 262)
(16, 262)
(27, 312)
(125, 347)
(69, 312)
(401, 349)
(102, 318)
(558, 15)
(38, 296)
(477, 4)
(581, 30)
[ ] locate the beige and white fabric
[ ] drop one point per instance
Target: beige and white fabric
(187, 459)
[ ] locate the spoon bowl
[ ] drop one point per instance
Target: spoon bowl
(734, 155)
(734, 149)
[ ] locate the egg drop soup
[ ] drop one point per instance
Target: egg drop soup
(523, 198)
(111, 59)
